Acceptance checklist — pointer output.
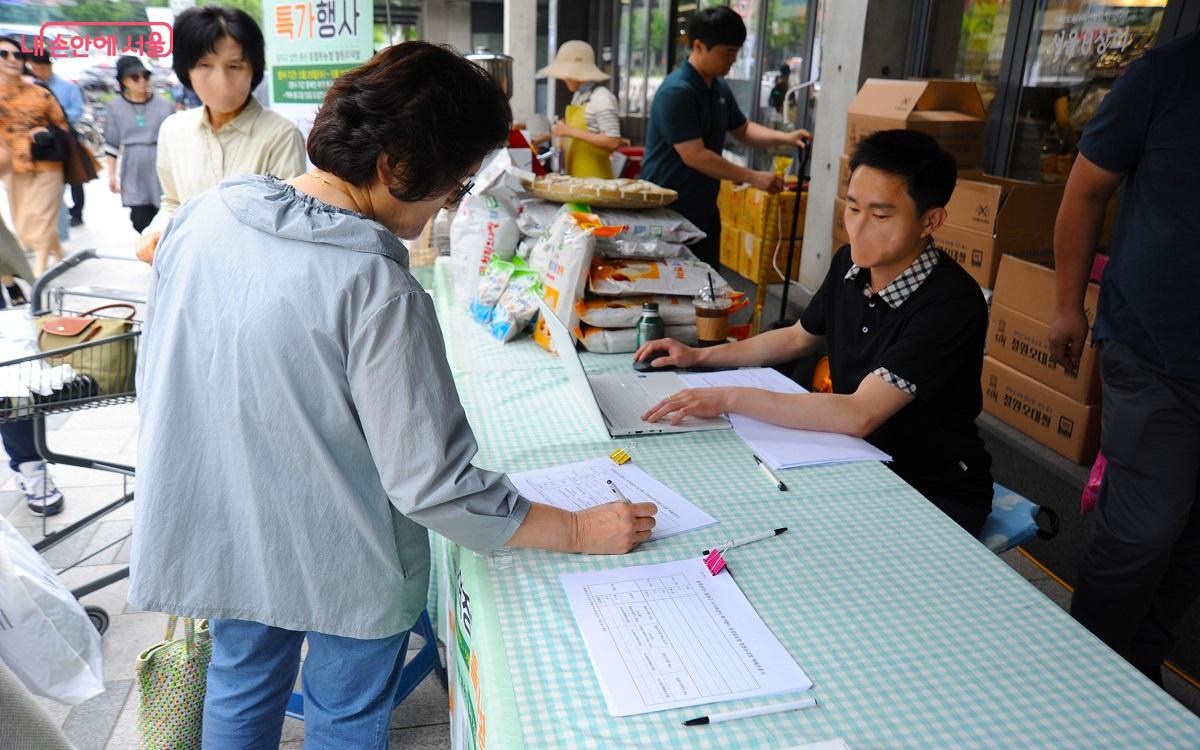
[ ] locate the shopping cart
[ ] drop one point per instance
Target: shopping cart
(88, 375)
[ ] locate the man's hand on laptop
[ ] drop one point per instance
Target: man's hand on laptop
(702, 403)
(667, 353)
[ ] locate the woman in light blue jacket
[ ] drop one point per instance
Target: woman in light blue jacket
(300, 429)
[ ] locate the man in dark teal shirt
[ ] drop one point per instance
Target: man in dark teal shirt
(693, 110)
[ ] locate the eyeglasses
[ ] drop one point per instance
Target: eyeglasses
(139, 75)
(5, 54)
(460, 193)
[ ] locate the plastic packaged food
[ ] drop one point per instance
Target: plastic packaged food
(614, 277)
(517, 306)
(624, 340)
(491, 285)
(624, 312)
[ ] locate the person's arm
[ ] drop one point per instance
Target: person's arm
(759, 136)
(768, 348)
(401, 386)
(710, 163)
(1110, 148)
(111, 162)
(599, 140)
(5, 159)
(857, 414)
(1076, 236)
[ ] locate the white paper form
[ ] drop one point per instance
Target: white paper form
(585, 484)
(784, 447)
(673, 635)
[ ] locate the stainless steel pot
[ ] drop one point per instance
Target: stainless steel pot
(498, 65)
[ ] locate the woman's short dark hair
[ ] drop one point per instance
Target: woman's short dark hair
(197, 31)
(433, 112)
(719, 25)
(928, 170)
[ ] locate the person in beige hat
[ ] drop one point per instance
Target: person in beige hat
(591, 126)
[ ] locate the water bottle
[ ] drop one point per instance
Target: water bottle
(650, 327)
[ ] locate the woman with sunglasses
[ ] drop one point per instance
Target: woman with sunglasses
(35, 186)
(300, 428)
(131, 132)
(220, 54)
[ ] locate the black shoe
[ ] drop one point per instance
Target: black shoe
(16, 295)
(76, 221)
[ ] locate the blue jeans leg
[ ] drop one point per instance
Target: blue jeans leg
(350, 687)
(18, 442)
(250, 679)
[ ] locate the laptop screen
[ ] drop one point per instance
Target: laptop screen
(564, 346)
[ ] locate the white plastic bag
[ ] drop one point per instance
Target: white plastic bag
(485, 225)
(624, 340)
(46, 638)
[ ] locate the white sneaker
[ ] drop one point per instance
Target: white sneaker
(42, 497)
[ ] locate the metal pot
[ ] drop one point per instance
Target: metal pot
(498, 65)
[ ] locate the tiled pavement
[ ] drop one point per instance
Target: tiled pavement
(108, 721)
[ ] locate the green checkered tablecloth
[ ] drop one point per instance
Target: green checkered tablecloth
(913, 633)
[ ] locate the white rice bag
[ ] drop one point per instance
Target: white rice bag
(624, 312)
(624, 340)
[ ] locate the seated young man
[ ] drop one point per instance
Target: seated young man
(904, 326)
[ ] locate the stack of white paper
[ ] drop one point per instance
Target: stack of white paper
(783, 447)
(674, 635)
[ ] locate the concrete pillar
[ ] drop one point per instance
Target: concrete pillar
(520, 43)
(841, 54)
(447, 22)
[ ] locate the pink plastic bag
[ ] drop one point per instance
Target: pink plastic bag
(1091, 491)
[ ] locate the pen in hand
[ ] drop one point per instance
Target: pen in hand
(617, 492)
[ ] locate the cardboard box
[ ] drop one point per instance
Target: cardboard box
(1023, 344)
(1028, 288)
(756, 255)
(1067, 427)
(840, 236)
(730, 247)
(1002, 207)
(843, 175)
(770, 216)
(949, 111)
(980, 254)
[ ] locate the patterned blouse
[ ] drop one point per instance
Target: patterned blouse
(24, 107)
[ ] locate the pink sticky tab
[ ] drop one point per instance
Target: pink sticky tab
(714, 562)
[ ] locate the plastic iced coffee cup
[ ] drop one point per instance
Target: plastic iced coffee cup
(712, 318)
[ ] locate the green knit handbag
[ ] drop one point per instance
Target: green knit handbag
(171, 678)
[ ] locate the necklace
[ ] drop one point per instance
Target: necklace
(140, 113)
(317, 176)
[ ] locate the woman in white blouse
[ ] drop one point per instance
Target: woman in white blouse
(219, 54)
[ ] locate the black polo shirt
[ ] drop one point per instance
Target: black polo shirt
(923, 334)
(686, 108)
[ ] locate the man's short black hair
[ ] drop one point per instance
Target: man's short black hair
(433, 112)
(197, 31)
(719, 25)
(927, 169)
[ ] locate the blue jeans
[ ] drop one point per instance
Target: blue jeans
(349, 687)
(18, 436)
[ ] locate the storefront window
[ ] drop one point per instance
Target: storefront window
(1077, 50)
(968, 42)
(783, 60)
(642, 53)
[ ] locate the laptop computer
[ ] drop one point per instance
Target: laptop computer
(618, 400)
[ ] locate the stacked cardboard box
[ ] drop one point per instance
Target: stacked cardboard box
(988, 217)
(754, 223)
(1022, 385)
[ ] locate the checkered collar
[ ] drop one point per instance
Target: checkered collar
(903, 286)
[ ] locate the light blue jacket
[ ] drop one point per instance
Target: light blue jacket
(300, 428)
(69, 96)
